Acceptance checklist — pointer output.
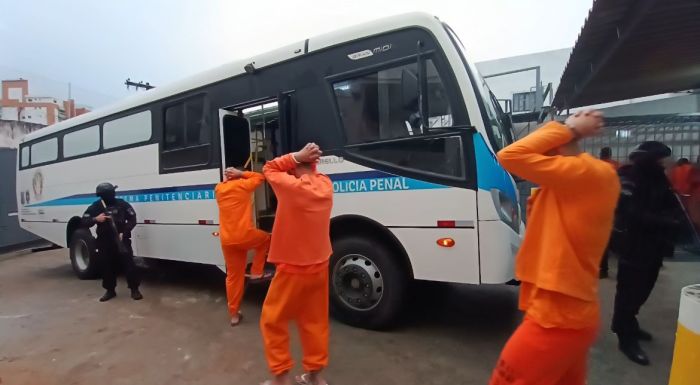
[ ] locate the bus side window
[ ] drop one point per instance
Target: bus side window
(384, 104)
(443, 156)
(44, 151)
(24, 157)
(186, 138)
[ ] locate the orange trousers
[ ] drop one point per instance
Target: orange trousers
(544, 356)
(236, 257)
(303, 298)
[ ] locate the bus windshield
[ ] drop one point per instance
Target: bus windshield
(497, 123)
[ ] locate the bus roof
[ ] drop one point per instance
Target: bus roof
(234, 68)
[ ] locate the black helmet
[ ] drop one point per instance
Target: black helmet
(650, 150)
(105, 188)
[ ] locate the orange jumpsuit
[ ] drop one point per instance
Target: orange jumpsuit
(238, 234)
(570, 218)
(680, 178)
(300, 248)
(613, 163)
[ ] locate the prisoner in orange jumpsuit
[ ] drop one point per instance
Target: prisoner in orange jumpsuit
(300, 248)
(680, 177)
(238, 234)
(570, 218)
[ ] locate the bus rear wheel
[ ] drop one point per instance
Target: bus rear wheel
(83, 256)
(367, 283)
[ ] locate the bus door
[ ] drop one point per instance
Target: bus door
(251, 136)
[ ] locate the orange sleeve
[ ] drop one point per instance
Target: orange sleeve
(220, 188)
(526, 157)
(276, 173)
(251, 180)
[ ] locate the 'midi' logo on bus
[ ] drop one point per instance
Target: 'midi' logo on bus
(369, 52)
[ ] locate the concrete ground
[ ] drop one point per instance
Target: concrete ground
(53, 331)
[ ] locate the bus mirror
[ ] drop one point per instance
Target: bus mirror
(409, 90)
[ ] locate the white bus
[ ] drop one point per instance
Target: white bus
(409, 128)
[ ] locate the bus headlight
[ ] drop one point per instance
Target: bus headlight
(507, 210)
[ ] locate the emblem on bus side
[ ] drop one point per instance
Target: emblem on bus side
(331, 159)
(38, 185)
(369, 52)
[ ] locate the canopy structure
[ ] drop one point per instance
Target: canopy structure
(633, 48)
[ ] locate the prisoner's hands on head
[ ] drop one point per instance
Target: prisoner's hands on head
(309, 154)
(586, 123)
(232, 173)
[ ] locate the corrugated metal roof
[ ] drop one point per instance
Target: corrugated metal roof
(633, 48)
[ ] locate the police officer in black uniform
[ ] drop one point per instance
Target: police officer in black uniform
(647, 218)
(115, 219)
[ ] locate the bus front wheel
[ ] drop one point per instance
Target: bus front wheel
(83, 256)
(367, 283)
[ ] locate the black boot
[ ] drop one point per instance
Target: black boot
(109, 294)
(634, 352)
(136, 294)
(644, 335)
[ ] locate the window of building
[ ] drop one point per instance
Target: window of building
(85, 141)
(131, 129)
(442, 156)
(24, 156)
(385, 104)
(44, 151)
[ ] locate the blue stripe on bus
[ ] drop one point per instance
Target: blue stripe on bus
(374, 181)
(152, 195)
(491, 175)
(348, 182)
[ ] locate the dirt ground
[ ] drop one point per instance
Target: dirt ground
(54, 331)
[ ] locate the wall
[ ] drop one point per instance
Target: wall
(11, 235)
(551, 64)
(12, 131)
(675, 104)
(36, 115)
(9, 113)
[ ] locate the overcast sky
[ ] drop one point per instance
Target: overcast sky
(96, 45)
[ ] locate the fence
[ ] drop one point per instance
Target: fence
(622, 134)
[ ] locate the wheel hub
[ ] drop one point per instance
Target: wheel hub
(358, 282)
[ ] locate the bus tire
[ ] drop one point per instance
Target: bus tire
(83, 254)
(368, 283)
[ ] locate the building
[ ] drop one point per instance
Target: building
(18, 105)
(670, 118)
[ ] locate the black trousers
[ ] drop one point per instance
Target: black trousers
(112, 261)
(604, 261)
(634, 285)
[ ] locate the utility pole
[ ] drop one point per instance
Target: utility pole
(138, 85)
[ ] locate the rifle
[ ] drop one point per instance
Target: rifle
(120, 245)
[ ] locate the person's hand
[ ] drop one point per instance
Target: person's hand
(101, 218)
(309, 154)
(233, 173)
(585, 123)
